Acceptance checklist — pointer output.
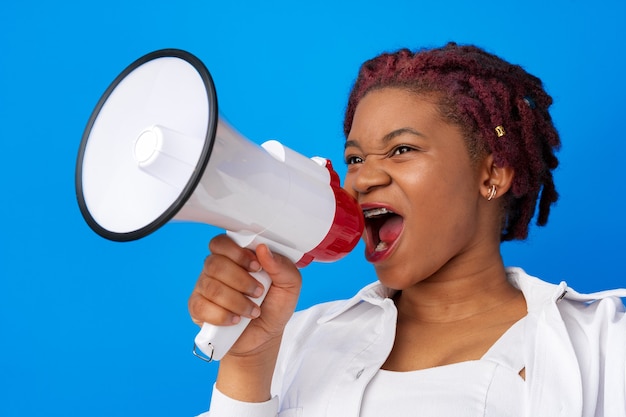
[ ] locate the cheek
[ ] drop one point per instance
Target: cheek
(443, 210)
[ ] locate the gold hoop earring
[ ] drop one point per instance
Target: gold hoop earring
(493, 190)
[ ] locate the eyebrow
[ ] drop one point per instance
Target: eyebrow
(389, 136)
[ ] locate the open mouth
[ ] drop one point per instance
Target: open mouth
(383, 227)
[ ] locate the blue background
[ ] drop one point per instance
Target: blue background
(92, 327)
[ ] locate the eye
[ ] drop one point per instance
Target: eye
(353, 159)
(401, 149)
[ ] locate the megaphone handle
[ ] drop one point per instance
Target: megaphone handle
(215, 341)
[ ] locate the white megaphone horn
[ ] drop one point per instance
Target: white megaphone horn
(155, 150)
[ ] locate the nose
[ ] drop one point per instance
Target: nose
(369, 176)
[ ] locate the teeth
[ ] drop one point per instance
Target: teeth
(381, 246)
(376, 212)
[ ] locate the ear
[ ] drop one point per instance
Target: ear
(492, 175)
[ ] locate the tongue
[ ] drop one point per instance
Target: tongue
(391, 229)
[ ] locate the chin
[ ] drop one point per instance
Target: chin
(393, 280)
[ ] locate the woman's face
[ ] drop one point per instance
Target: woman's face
(412, 174)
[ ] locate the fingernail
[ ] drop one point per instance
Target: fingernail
(235, 319)
(258, 291)
(255, 266)
(256, 312)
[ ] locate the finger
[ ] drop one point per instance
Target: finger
(220, 305)
(203, 311)
(225, 270)
(225, 246)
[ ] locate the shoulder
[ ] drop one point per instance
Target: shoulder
(326, 341)
(604, 305)
(595, 321)
(322, 327)
(596, 318)
(574, 345)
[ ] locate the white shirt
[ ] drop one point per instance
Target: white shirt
(574, 355)
(488, 387)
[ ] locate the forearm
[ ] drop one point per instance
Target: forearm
(248, 378)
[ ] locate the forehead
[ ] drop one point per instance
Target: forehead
(388, 109)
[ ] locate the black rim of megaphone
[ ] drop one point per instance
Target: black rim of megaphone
(198, 172)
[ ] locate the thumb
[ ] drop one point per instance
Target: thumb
(281, 269)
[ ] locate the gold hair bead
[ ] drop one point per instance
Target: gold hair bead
(500, 131)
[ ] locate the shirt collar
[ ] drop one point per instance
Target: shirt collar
(375, 293)
(537, 293)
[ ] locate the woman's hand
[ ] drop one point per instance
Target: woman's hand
(220, 297)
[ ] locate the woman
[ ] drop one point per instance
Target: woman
(449, 151)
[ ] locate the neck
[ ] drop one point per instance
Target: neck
(447, 297)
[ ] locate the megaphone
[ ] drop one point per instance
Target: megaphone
(155, 150)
